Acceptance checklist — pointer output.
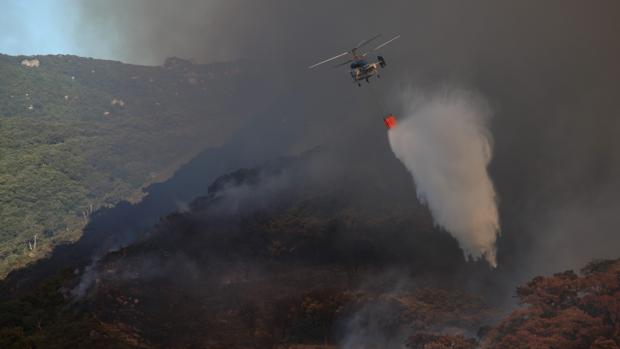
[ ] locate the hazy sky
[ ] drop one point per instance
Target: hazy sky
(38, 27)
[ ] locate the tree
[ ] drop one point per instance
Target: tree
(565, 311)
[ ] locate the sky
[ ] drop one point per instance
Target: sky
(38, 27)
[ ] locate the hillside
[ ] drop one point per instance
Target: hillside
(297, 254)
(77, 134)
(272, 255)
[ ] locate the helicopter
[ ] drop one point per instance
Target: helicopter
(361, 69)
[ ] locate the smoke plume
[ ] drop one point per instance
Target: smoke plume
(444, 142)
(551, 67)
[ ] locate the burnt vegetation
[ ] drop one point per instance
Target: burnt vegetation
(565, 310)
(273, 259)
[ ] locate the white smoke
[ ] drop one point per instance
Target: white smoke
(444, 142)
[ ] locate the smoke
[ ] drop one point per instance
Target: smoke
(444, 142)
(375, 325)
(550, 66)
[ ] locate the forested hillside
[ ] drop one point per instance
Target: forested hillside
(284, 254)
(77, 134)
(273, 258)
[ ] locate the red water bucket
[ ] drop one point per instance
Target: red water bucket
(390, 121)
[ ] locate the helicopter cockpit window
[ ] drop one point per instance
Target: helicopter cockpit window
(358, 64)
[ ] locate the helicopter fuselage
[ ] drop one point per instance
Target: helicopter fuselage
(363, 70)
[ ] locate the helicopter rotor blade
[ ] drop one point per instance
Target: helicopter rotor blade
(344, 63)
(328, 60)
(366, 41)
(354, 53)
(385, 43)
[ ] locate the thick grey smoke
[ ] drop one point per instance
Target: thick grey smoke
(551, 69)
(444, 142)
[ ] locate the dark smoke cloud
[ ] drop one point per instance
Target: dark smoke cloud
(550, 70)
